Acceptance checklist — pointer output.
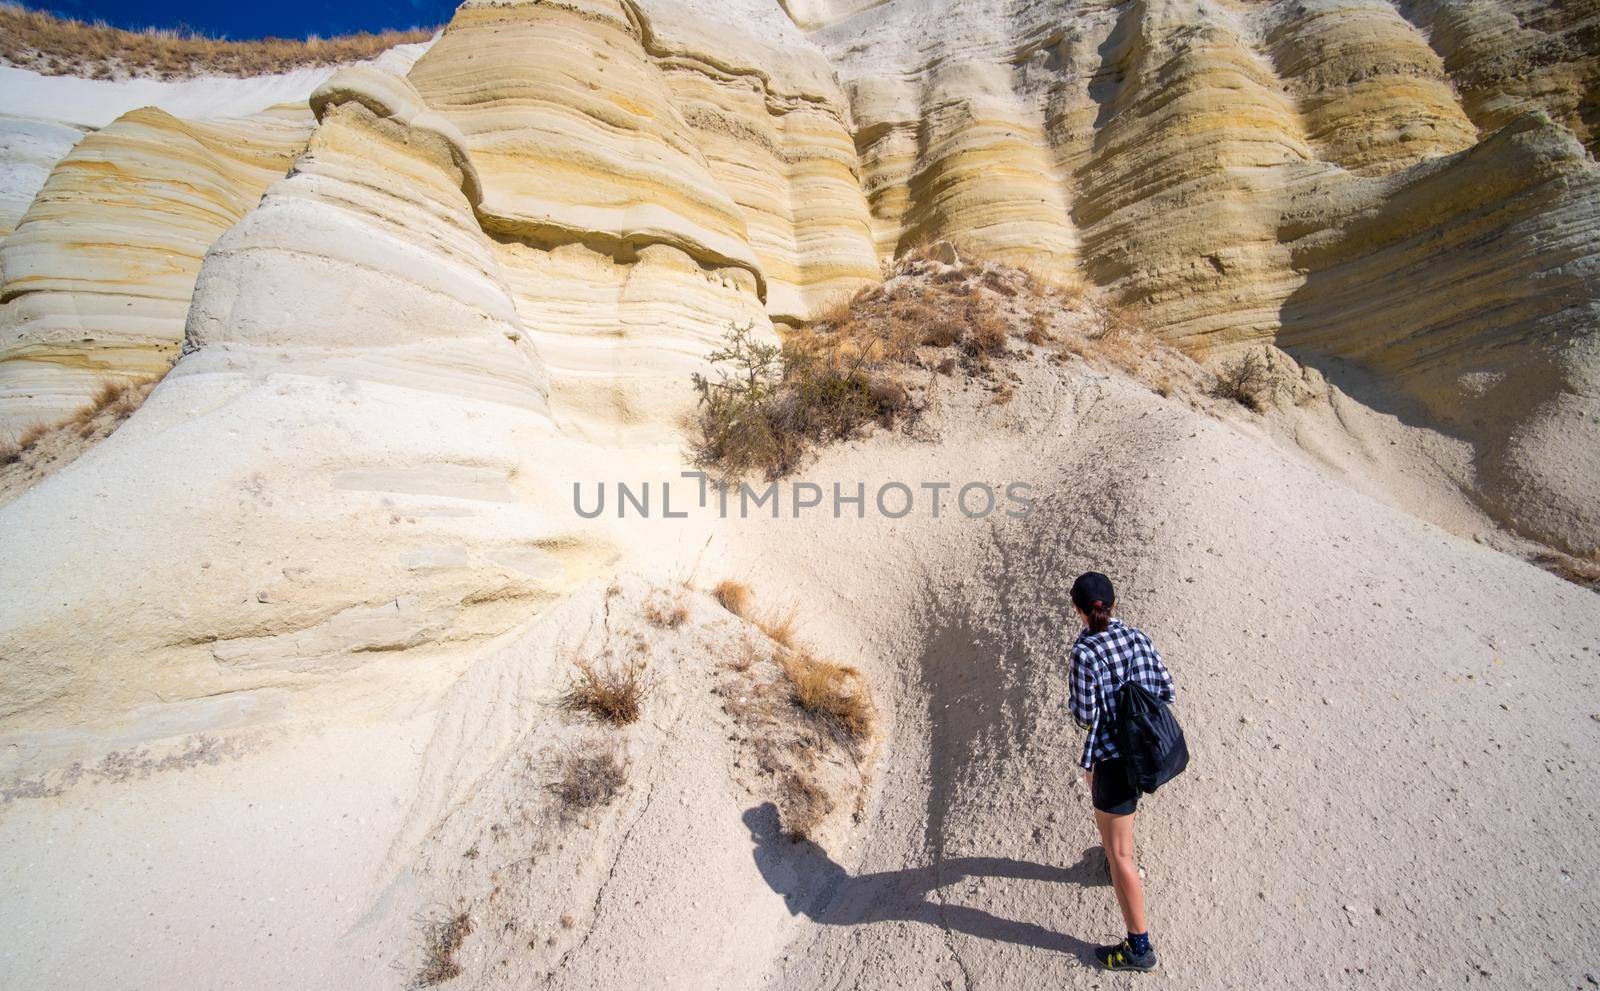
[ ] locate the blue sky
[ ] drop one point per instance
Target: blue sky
(279, 18)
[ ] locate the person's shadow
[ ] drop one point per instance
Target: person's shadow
(814, 886)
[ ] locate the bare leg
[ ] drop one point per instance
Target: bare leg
(1116, 836)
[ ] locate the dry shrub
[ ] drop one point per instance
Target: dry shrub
(665, 609)
(10, 451)
(589, 775)
(734, 596)
(769, 405)
(1244, 381)
(611, 694)
(834, 694)
(749, 654)
(444, 939)
(54, 45)
(802, 805)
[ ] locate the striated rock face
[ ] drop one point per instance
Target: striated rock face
(1354, 179)
(305, 489)
(514, 257)
(29, 149)
(100, 271)
(1507, 57)
(1373, 96)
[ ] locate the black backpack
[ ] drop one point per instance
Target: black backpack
(1149, 738)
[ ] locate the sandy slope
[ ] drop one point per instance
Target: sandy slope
(1392, 727)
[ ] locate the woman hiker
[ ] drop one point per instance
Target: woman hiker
(1107, 653)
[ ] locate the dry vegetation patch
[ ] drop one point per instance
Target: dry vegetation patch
(666, 608)
(55, 46)
(872, 360)
(1244, 381)
(43, 449)
(803, 722)
(443, 941)
(1584, 571)
(734, 597)
(835, 694)
(589, 775)
(611, 692)
(802, 805)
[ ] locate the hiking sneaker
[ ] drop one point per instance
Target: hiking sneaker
(1121, 957)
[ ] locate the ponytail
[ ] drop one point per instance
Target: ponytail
(1094, 596)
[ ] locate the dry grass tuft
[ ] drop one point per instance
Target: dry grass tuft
(735, 597)
(589, 775)
(835, 694)
(46, 447)
(54, 46)
(444, 939)
(34, 433)
(612, 694)
(665, 609)
(802, 805)
(987, 333)
(779, 629)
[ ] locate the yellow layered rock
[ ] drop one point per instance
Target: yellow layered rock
(580, 141)
(772, 125)
(101, 268)
(29, 149)
(955, 154)
(627, 258)
(621, 334)
(1469, 284)
(1179, 201)
(1374, 96)
(1507, 57)
(348, 461)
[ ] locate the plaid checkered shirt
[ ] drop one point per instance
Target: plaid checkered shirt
(1101, 662)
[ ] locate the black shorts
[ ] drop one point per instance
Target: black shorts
(1114, 793)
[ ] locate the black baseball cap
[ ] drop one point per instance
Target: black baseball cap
(1093, 590)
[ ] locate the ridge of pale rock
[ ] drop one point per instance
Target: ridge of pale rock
(306, 492)
(99, 273)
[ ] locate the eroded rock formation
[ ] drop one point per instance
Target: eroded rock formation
(528, 244)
